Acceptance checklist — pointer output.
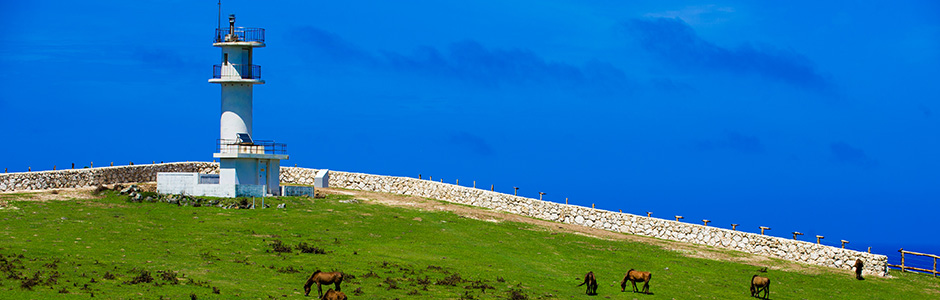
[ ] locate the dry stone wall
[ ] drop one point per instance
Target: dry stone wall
(76, 178)
(788, 249)
(783, 248)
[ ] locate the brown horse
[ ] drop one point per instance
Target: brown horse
(859, 265)
(333, 295)
(635, 276)
(759, 283)
(591, 283)
(323, 278)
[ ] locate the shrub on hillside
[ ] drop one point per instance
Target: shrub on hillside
(516, 294)
(143, 277)
(451, 280)
(280, 247)
(305, 248)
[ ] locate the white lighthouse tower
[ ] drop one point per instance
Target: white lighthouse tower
(247, 167)
(244, 161)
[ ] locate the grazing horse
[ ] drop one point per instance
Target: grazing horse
(591, 283)
(759, 283)
(333, 295)
(859, 265)
(635, 276)
(323, 278)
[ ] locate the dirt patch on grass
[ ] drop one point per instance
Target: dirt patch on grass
(686, 249)
(54, 195)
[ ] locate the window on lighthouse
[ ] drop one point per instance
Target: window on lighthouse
(225, 58)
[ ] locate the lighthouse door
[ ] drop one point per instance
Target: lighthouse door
(263, 174)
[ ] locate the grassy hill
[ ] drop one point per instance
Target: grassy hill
(112, 248)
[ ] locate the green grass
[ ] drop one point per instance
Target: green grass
(77, 242)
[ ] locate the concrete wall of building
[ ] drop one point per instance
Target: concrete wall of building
(189, 184)
(236, 110)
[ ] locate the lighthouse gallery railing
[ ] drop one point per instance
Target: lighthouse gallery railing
(241, 33)
(236, 71)
(256, 147)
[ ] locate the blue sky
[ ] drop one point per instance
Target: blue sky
(812, 117)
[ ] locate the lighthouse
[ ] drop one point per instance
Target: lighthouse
(243, 159)
(248, 167)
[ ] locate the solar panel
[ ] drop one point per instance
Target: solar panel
(244, 139)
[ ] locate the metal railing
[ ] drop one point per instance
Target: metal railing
(233, 70)
(257, 147)
(241, 34)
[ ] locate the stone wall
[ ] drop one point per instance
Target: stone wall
(788, 249)
(783, 248)
(76, 178)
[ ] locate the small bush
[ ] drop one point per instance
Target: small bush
(305, 248)
(516, 294)
(169, 276)
(63, 291)
(371, 274)
(108, 275)
(216, 290)
(451, 280)
(413, 293)
(390, 283)
(358, 291)
(100, 189)
(280, 247)
(425, 281)
(288, 270)
(479, 285)
(29, 283)
(143, 277)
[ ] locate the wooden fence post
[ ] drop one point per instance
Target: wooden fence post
(902, 259)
